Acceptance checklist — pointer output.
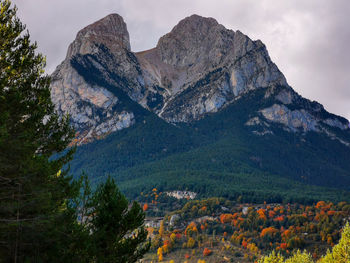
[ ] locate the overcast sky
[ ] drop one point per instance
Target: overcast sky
(307, 39)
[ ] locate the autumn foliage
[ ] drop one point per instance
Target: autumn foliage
(264, 227)
(268, 231)
(207, 252)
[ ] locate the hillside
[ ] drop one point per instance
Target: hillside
(219, 155)
(220, 230)
(215, 117)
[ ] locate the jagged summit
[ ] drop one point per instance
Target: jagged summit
(198, 48)
(197, 20)
(110, 31)
(194, 28)
(196, 39)
(199, 67)
(206, 102)
(100, 51)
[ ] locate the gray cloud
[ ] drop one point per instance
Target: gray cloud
(308, 40)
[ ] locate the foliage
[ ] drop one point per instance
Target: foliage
(117, 231)
(300, 257)
(220, 156)
(272, 258)
(227, 226)
(191, 242)
(207, 252)
(36, 223)
(268, 231)
(160, 254)
(340, 252)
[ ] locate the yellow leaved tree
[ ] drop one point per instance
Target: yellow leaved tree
(300, 257)
(339, 254)
(272, 258)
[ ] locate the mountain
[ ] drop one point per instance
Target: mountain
(206, 110)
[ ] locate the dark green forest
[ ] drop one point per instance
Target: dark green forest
(220, 156)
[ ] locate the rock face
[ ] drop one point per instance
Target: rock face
(92, 108)
(101, 49)
(294, 120)
(198, 68)
(110, 31)
(201, 66)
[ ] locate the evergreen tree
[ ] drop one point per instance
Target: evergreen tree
(117, 231)
(34, 219)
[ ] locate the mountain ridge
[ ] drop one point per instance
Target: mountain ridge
(163, 78)
(196, 72)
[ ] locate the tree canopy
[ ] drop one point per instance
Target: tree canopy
(118, 234)
(340, 253)
(45, 216)
(33, 187)
(113, 230)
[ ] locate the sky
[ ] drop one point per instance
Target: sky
(308, 40)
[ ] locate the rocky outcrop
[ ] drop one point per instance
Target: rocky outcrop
(286, 96)
(199, 67)
(292, 119)
(182, 194)
(110, 31)
(202, 66)
(337, 123)
(299, 120)
(95, 110)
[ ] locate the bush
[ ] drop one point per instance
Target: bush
(207, 252)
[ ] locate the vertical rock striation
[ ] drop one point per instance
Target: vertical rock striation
(101, 49)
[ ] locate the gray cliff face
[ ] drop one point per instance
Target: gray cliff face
(202, 66)
(92, 108)
(110, 31)
(293, 119)
(199, 67)
(296, 114)
(95, 110)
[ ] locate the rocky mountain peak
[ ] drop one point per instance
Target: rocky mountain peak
(202, 40)
(199, 67)
(192, 38)
(98, 62)
(110, 31)
(195, 24)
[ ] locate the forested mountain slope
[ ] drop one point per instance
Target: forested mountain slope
(205, 110)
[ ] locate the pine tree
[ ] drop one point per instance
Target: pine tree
(117, 231)
(34, 193)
